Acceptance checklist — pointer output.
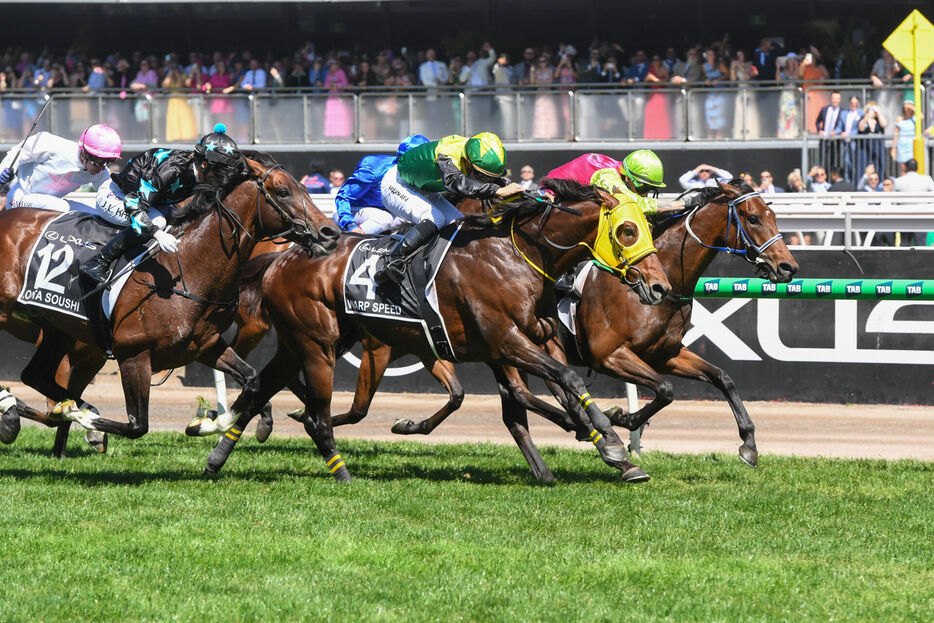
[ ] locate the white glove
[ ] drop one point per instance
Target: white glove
(167, 242)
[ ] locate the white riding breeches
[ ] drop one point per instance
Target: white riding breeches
(17, 198)
(373, 220)
(111, 208)
(413, 205)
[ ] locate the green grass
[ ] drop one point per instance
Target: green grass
(456, 533)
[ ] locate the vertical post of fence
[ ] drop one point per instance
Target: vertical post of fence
(220, 390)
(632, 403)
(847, 230)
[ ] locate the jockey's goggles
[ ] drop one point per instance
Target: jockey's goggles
(101, 162)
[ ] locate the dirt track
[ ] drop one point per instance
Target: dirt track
(803, 429)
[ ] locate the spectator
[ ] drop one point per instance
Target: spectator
(454, 70)
(316, 75)
(432, 73)
(872, 184)
(766, 185)
(78, 77)
(366, 77)
(315, 182)
(146, 77)
(565, 72)
(795, 183)
(382, 69)
(503, 71)
(254, 78)
(638, 70)
(477, 70)
(742, 70)
(691, 70)
(912, 181)
(864, 179)
(123, 76)
(715, 104)
(671, 61)
(99, 78)
(589, 70)
(335, 180)
(763, 59)
(196, 78)
(817, 179)
(888, 185)
(828, 119)
(527, 178)
(523, 69)
(887, 70)
(704, 175)
(904, 134)
(853, 155)
(610, 72)
(873, 122)
(297, 77)
(837, 182)
(747, 179)
(811, 70)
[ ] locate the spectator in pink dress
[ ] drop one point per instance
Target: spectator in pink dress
(219, 83)
(337, 116)
(146, 77)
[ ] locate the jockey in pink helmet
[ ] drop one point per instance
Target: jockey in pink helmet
(49, 167)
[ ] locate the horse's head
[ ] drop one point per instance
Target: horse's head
(624, 245)
(749, 230)
(285, 210)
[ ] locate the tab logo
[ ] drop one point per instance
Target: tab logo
(854, 289)
(884, 289)
(793, 288)
(769, 288)
(711, 286)
(913, 289)
(824, 289)
(741, 286)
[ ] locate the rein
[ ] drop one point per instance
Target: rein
(750, 252)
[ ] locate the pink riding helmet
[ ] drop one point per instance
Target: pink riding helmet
(102, 141)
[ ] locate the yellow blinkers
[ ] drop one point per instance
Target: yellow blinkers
(607, 249)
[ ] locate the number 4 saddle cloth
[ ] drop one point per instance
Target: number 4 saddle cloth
(413, 300)
(65, 243)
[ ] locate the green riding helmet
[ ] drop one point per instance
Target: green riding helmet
(486, 153)
(644, 168)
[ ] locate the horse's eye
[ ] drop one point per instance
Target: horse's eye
(282, 191)
(753, 219)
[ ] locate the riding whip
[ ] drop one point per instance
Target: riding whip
(550, 204)
(35, 122)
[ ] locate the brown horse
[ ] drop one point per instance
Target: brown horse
(520, 248)
(173, 310)
(622, 338)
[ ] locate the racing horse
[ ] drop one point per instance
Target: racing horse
(516, 249)
(167, 316)
(620, 337)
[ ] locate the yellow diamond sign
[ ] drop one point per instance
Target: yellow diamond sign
(912, 43)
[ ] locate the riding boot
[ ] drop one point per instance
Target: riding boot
(394, 268)
(98, 267)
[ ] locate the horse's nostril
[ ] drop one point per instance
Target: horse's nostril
(329, 231)
(786, 268)
(659, 290)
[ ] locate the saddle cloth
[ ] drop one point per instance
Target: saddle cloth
(413, 300)
(64, 244)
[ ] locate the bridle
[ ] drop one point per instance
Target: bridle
(749, 251)
(299, 230)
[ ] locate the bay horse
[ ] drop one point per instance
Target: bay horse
(622, 338)
(521, 245)
(156, 325)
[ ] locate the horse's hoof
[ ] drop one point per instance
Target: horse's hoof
(401, 427)
(342, 475)
(613, 453)
(264, 426)
(209, 473)
(298, 414)
(749, 457)
(9, 426)
(201, 427)
(635, 474)
(96, 440)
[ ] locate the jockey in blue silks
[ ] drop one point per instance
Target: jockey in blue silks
(359, 201)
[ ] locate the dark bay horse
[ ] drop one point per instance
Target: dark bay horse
(622, 338)
(493, 291)
(174, 309)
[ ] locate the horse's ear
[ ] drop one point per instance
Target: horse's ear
(254, 168)
(606, 198)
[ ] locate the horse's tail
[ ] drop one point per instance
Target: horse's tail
(251, 284)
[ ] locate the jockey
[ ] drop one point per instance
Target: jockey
(49, 167)
(359, 202)
(145, 191)
(638, 175)
(470, 168)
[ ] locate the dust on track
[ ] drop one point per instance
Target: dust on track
(787, 428)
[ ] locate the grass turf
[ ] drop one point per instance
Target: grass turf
(456, 532)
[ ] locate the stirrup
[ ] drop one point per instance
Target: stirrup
(393, 271)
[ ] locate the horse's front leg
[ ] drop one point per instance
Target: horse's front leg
(689, 365)
(136, 375)
(516, 421)
(272, 378)
(443, 371)
(520, 352)
(319, 373)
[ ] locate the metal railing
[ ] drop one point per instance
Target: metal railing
(751, 112)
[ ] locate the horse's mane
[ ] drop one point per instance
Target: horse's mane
(207, 194)
(709, 194)
(566, 192)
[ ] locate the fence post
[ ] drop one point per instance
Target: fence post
(632, 403)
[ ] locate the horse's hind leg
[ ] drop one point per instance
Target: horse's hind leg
(516, 420)
(76, 372)
(625, 365)
(271, 379)
(373, 363)
(223, 358)
(319, 375)
(443, 371)
(689, 365)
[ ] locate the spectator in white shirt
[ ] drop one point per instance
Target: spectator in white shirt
(432, 72)
(912, 181)
(527, 178)
(254, 78)
(704, 175)
(767, 185)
